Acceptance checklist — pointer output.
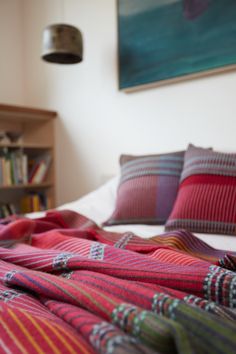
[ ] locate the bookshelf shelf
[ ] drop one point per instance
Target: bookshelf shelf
(25, 146)
(25, 114)
(27, 164)
(27, 186)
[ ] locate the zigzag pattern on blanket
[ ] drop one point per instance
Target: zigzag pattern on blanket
(89, 290)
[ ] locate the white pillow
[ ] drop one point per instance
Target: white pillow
(98, 204)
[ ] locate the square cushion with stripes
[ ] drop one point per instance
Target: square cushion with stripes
(147, 189)
(206, 200)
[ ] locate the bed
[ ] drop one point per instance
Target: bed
(71, 284)
(99, 204)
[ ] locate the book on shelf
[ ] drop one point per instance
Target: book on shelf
(5, 170)
(34, 202)
(39, 168)
(7, 210)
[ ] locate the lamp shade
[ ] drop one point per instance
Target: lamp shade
(62, 44)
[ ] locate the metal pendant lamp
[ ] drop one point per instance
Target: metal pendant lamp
(62, 44)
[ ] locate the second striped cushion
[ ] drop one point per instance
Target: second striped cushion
(206, 200)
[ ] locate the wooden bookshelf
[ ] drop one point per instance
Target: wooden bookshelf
(36, 138)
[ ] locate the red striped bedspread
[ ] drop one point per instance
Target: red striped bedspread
(68, 286)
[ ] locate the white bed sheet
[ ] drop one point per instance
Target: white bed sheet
(99, 204)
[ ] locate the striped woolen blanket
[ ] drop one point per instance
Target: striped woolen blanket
(67, 286)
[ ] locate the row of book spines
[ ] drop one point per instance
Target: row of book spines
(13, 170)
(30, 203)
(35, 202)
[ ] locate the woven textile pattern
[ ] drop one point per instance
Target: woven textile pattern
(206, 200)
(148, 188)
(72, 288)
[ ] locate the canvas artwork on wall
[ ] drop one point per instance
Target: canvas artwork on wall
(160, 41)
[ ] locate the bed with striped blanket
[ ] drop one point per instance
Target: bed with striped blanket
(69, 286)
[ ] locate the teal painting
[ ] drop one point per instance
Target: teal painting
(160, 41)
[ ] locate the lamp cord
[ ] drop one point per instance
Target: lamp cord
(62, 11)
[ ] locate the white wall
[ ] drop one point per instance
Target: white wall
(11, 52)
(97, 122)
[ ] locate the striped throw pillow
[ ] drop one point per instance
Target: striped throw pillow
(147, 189)
(206, 200)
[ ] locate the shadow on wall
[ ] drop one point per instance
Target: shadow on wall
(69, 167)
